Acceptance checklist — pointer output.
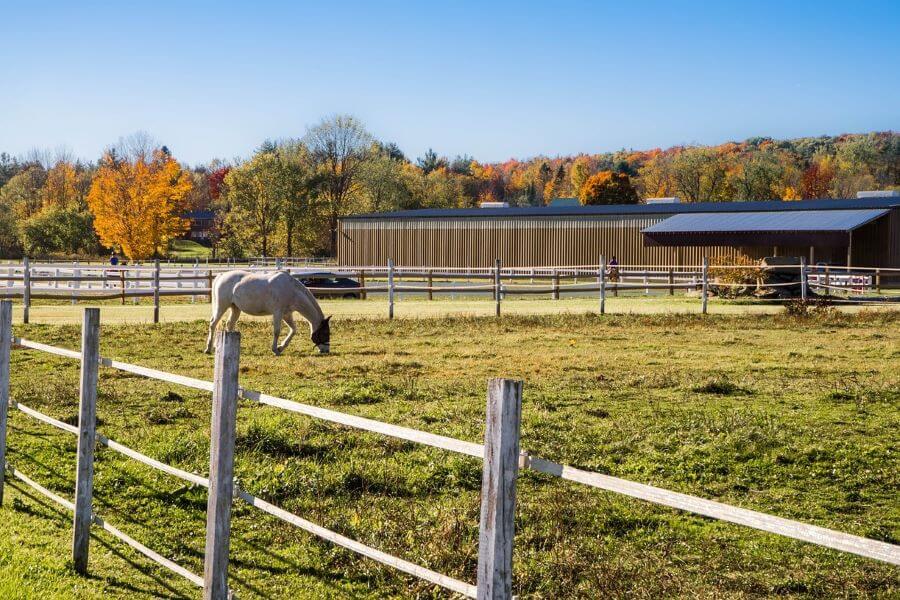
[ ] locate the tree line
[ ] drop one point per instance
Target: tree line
(287, 197)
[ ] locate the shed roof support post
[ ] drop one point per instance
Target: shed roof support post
(498, 489)
(5, 343)
(87, 425)
(221, 465)
(804, 279)
(705, 291)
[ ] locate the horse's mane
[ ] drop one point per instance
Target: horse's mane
(308, 294)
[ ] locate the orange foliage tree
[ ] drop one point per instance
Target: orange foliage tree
(608, 187)
(137, 204)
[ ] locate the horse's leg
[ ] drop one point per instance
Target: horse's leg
(292, 329)
(276, 331)
(218, 313)
(232, 318)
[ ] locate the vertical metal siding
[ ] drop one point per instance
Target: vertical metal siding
(537, 241)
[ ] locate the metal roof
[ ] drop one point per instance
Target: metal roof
(885, 202)
(823, 227)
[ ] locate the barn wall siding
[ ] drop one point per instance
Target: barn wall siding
(517, 242)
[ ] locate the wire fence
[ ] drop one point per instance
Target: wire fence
(501, 454)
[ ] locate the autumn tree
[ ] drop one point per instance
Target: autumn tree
(608, 187)
(339, 146)
(254, 201)
(138, 201)
(581, 170)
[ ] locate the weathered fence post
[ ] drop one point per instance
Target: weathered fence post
(5, 341)
(430, 284)
(122, 281)
(878, 281)
(827, 281)
(221, 465)
(555, 284)
(156, 291)
(601, 279)
(362, 284)
(646, 282)
(705, 292)
(87, 423)
(209, 282)
(803, 279)
(671, 281)
(498, 489)
(390, 288)
(497, 285)
(26, 295)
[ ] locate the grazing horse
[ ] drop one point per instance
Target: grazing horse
(277, 294)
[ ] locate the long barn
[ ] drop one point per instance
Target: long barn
(858, 232)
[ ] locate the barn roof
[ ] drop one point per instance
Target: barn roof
(779, 228)
(635, 209)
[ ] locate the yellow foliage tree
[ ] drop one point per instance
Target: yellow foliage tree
(137, 204)
(61, 188)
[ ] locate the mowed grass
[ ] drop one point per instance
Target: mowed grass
(795, 417)
(176, 309)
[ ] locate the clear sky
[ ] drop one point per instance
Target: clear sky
(494, 80)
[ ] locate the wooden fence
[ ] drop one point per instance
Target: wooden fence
(82, 282)
(501, 455)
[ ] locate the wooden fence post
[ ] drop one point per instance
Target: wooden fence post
(646, 282)
(498, 489)
(5, 341)
(705, 289)
(209, 283)
(221, 465)
(671, 281)
(362, 284)
(555, 284)
(803, 279)
(87, 423)
(878, 281)
(122, 281)
(601, 278)
(497, 285)
(26, 295)
(156, 291)
(430, 284)
(390, 288)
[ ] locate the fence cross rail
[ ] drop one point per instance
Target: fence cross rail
(500, 453)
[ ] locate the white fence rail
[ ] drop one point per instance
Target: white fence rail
(90, 282)
(500, 454)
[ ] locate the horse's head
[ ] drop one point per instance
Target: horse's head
(321, 337)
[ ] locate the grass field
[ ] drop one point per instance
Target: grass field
(177, 309)
(189, 249)
(796, 417)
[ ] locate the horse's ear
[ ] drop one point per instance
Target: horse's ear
(328, 318)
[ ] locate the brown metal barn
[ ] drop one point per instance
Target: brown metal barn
(862, 231)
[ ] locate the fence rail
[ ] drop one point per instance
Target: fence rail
(500, 455)
(31, 281)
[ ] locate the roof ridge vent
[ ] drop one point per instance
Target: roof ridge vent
(494, 205)
(665, 200)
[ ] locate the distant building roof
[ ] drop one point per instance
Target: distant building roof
(636, 209)
(778, 228)
(200, 214)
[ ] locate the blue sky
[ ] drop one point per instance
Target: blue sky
(493, 80)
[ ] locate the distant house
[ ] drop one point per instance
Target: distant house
(202, 224)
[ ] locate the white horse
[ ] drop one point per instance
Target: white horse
(277, 294)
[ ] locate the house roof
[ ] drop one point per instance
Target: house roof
(823, 227)
(885, 202)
